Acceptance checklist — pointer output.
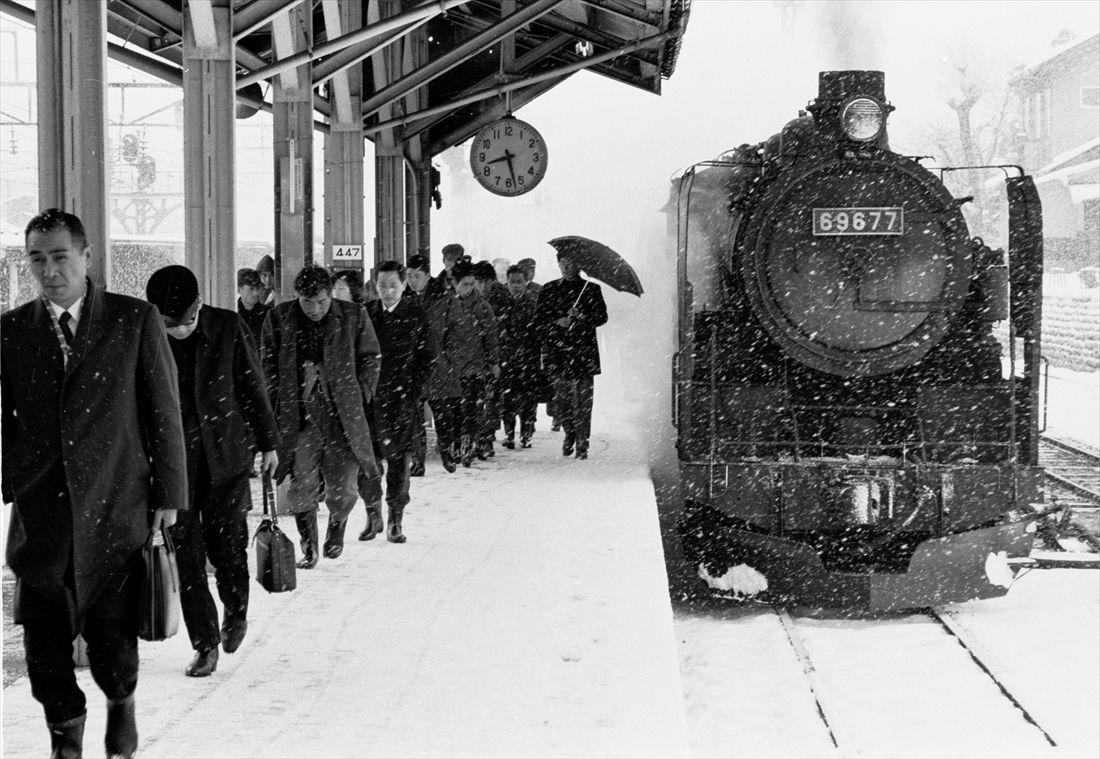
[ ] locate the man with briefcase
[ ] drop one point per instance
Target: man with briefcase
(93, 460)
(222, 395)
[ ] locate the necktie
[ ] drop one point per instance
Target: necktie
(66, 330)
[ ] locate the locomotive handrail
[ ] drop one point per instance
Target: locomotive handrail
(1002, 166)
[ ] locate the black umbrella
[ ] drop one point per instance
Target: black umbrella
(600, 262)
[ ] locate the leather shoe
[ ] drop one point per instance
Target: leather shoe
(582, 455)
(416, 469)
(204, 663)
(567, 446)
(233, 630)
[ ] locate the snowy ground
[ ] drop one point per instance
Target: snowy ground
(529, 615)
(1073, 405)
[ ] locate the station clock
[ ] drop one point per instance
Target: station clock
(508, 157)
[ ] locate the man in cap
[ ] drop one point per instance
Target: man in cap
(527, 266)
(222, 397)
(452, 254)
(566, 317)
(321, 360)
(266, 269)
(93, 460)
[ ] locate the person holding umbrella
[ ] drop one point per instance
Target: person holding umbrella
(566, 317)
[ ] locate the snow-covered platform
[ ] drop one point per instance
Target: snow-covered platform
(527, 615)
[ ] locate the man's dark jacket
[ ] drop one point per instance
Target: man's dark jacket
(519, 346)
(570, 352)
(351, 364)
(254, 319)
(230, 395)
(106, 430)
(408, 349)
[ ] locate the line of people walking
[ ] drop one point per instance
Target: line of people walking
(329, 388)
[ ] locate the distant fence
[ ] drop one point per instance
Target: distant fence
(133, 260)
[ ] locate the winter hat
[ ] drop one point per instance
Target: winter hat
(267, 263)
(173, 290)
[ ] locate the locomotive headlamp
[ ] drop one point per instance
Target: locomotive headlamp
(861, 119)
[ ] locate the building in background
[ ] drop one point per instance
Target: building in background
(1059, 102)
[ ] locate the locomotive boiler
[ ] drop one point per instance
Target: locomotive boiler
(850, 431)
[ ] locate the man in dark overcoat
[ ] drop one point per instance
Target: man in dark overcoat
(567, 314)
(407, 352)
(520, 372)
(321, 361)
(250, 305)
(93, 460)
(468, 343)
(222, 397)
(422, 290)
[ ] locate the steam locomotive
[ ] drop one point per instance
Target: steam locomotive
(849, 433)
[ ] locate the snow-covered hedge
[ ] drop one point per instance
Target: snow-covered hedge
(1071, 329)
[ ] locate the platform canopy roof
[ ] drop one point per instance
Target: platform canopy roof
(477, 50)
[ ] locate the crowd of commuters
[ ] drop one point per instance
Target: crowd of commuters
(332, 388)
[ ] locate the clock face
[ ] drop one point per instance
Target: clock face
(508, 157)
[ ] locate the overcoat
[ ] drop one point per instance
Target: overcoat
(521, 373)
(351, 361)
(230, 393)
(465, 331)
(253, 319)
(408, 350)
(570, 352)
(105, 430)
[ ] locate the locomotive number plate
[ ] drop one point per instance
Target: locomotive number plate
(867, 220)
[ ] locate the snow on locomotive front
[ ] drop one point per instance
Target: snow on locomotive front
(848, 433)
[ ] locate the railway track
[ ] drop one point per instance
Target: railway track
(1072, 485)
(924, 672)
(1072, 470)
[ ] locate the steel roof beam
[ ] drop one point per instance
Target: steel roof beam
(571, 68)
(259, 13)
(492, 113)
(420, 12)
(465, 50)
(528, 59)
(202, 23)
(625, 10)
(348, 57)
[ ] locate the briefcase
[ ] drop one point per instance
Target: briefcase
(275, 567)
(160, 588)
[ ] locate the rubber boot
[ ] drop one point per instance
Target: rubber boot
(67, 738)
(393, 532)
(121, 738)
(307, 532)
(334, 537)
(374, 522)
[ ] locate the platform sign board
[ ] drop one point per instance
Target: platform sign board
(344, 255)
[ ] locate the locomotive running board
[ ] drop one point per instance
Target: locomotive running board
(962, 567)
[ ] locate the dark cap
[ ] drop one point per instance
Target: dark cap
(526, 263)
(267, 263)
(173, 290)
(249, 277)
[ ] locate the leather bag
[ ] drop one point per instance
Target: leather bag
(160, 588)
(275, 565)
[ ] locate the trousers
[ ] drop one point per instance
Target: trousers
(110, 631)
(573, 402)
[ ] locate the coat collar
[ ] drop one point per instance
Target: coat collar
(89, 329)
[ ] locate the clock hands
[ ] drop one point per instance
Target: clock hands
(508, 156)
